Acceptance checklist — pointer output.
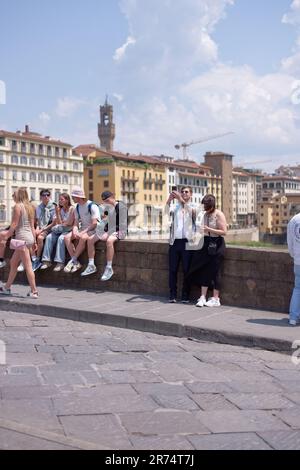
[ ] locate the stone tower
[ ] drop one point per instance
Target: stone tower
(106, 128)
(222, 166)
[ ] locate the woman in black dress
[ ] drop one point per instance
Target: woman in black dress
(206, 263)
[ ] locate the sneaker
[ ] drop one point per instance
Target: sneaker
(293, 322)
(185, 301)
(59, 267)
(91, 269)
(4, 291)
(33, 295)
(213, 302)
(76, 267)
(69, 267)
(36, 264)
(108, 274)
(201, 302)
(45, 266)
(21, 268)
(172, 301)
(2, 264)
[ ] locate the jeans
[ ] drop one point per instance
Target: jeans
(295, 301)
(179, 252)
(60, 253)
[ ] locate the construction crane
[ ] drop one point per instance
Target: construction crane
(186, 145)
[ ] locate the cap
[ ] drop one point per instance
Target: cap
(106, 195)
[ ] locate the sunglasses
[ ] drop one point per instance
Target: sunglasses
(185, 192)
(46, 195)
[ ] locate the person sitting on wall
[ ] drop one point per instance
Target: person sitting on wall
(44, 221)
(87, 216)
(115, 229)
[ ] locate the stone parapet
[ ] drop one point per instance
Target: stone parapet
(251, 278)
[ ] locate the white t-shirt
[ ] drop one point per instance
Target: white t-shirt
(85, 215)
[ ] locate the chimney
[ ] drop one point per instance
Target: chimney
(27, 129)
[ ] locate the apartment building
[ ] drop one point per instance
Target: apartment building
(137, 180)
(27, 159)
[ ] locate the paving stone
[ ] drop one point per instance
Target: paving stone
(163, 422)
(20, 348)
(17, 322)
(230, 421)
(213, 401)
(145, 376)
(62, 378)
(293, 397)
(160, 443)
(285, 374)
(20, 359)
(282, 440)
(19, 380)
(160, 388)
(86, 349)
(45, 348)
(173, 374)
(11, 440)
(35, 413)
(175, 401)
(26, 370)
(28, 392)
(290, 417)
(259, 401)
(224, 356)
(233, 441)
(209, 387)
(255, 387)
(117, 377)
(101, 429)
(114, 404)
(290, 385)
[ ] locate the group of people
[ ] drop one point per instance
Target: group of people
(42, 235)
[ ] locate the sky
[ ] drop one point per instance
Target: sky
(175, 71)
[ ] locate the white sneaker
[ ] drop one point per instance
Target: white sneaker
(201, 302)
(293, 322)
(21, 268)
(108, 274)
(213, 302)
(2, 264)
(91, 269)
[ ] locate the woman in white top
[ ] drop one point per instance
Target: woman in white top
(23, 226)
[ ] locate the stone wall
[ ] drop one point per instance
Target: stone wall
(253, 278)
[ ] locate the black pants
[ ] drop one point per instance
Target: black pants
(179, 252)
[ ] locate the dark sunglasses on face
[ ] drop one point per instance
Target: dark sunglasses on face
(45, 195)
(185, 192)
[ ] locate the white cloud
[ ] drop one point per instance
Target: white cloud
(44, 117)
(293, 16)
(121, 51)
(183, 92)
(67, 106)
(2, 92)
(118, 97)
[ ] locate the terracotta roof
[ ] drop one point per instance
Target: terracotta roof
(88, 149)
(32, 137)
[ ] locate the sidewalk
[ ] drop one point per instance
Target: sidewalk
(228, 325)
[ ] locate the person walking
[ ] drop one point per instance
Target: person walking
(293, 239)
(23, 226)
(183, 226)
(206, 262)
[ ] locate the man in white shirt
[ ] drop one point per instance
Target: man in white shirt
(87, 215)
(182, 230)
(293, 239)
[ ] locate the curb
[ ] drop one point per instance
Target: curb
(159, 327)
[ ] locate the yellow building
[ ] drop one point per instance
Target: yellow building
(139, 181)
(275, 212)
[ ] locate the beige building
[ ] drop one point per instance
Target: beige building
(244, 198)
(30, 160)
(139, 181)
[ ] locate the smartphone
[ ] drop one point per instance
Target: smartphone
(174, 188)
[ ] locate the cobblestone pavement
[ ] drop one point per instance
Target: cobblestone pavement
(70, 385)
